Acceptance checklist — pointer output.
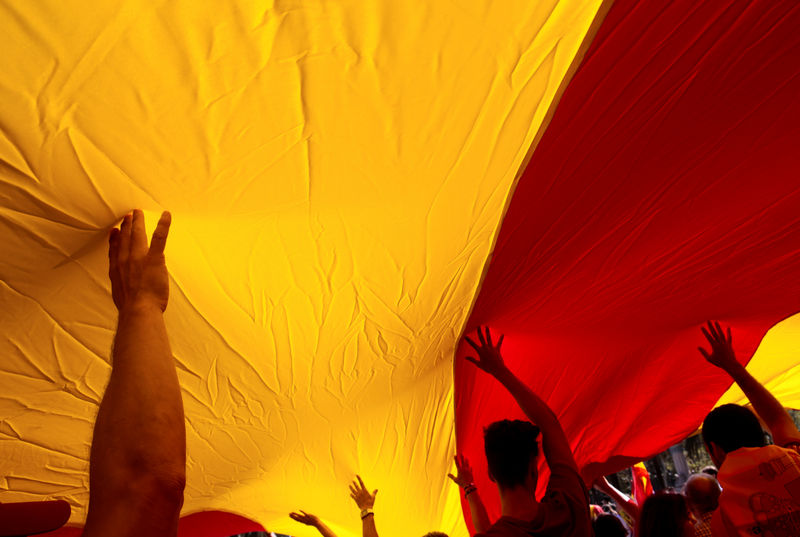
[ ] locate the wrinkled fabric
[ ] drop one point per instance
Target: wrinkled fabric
(336, 171)
(663, 193)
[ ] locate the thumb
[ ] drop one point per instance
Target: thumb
(374, 493)
(451, 476)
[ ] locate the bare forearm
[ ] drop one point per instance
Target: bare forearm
(325, 530)
(765, 404)
(554, 442)
(480, 518)
(141, 417)
(622, 500)
(368, 528)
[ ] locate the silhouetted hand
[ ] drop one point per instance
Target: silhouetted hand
(464, 471)
(138, 273)
(305, 518)
(360, 494)
(721, 354)
(489, 357)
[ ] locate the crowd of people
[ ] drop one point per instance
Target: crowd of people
(138, 453)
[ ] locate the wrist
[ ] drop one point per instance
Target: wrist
(735, 370)
(502, 373)
(469, 489)
(367, 512)
(139, 306)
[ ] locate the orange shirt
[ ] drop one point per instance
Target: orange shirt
(760, 493)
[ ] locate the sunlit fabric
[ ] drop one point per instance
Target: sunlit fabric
(663, 193)
(336, 172)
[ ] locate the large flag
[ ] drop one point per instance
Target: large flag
(355, 184)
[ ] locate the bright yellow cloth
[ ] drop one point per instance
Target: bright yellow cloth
(775, 365)
(336, 171)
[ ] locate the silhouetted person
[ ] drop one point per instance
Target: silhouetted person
(607, 525)
(702, 494)
(512, 454)
(760, 483)
(665, 514)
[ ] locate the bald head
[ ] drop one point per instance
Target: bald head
(702, 492)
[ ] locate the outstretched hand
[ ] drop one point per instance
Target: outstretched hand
(721, 354)
(138, 273)
(360, 494)
(489, 358)
(464, 475)
(305, 518)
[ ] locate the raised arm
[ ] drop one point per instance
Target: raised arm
(768, 408)
(312, 520)
(623, 501)
(138, 455)
(554, 442)
(365, 501)
(464, 479)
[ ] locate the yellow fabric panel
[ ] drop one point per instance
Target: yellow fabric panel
(336, 172)
(775, 364)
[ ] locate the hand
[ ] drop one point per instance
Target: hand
(305, 518)
(464, 470)
(138, 273)
(721, 354)
(489, 357)
(360, 494)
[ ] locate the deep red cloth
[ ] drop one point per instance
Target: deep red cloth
(202, 524)
(30, 518)
(665, 192)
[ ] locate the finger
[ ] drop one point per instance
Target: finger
(710, 329)
(113, 250)
(473, 360)
(500, 341)
(480, 337)
(730, 337)
(705, 354)
(159, 240)
(374, 493)
(123, 252)
(720, 333)
(707, 334)
(361, 481)
(138, 235)
(113, 268)
(488, 336)
(472, 343)
(451, 476)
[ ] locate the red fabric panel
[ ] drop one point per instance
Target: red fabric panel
(202, 524)
(666, 191)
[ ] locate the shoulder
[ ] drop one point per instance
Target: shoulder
(566, 482)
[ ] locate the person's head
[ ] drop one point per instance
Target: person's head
(435, 534)
(609, 526)
(665, 514)
(702, 493)
(710, 470)
(728, 428)
(511, 452)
